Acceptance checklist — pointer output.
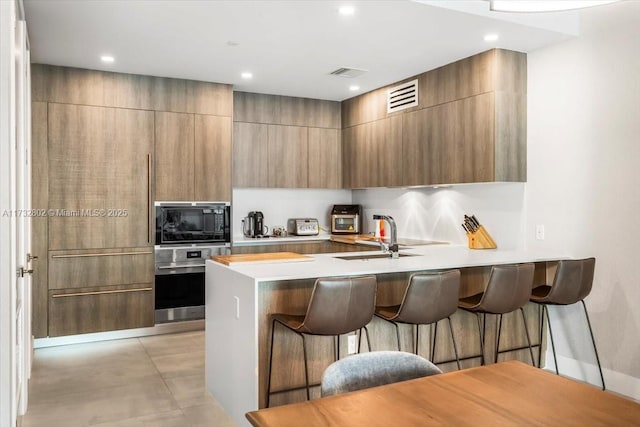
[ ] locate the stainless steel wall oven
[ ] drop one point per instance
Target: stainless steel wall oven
(187, 234)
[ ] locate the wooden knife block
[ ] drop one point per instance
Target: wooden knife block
(481, 239)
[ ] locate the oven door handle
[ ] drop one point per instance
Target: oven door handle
(181, 266)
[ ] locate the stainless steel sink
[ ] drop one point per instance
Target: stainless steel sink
(367, 257)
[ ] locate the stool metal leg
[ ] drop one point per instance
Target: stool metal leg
(541, 323)
(398, 335)
(545, 309)
(594, 342)
(499, 330)
(306, 369)
(433, 341)
(481, 335)
(453, 340)
(526, 330)
(273, 327)
(366, 332)
(417, 338)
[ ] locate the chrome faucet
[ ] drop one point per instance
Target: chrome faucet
(393, 243)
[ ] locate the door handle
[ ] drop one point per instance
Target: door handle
(22, 271)
(31, 257)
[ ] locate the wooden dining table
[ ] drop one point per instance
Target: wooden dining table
(504, 394)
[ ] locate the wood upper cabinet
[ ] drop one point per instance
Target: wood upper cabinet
(193, 157)
(288, 154)
(212, 163)
(372, 154)
(325, 158)
(174, 171)
(99, 176)
(250, 155)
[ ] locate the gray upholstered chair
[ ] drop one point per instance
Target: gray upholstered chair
(429, 298)
(571, 284)
(373, 369)
(508, 289)
(337, 306)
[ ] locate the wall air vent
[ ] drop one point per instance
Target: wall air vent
(347, 72)
(403, 96)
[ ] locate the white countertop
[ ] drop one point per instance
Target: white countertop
(430, 257)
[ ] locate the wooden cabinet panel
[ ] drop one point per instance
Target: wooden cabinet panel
(99, 177)
(325, 158)
(68, 85)
(86, 268)
(174, 156)
(250, 155)
(429, 145)
(511, 137)
(86, 310)
(212, 163)
(372, 154)
(287, 156)
(39, 224)
(474, 153)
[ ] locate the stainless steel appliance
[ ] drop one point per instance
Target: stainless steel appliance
(180, 285)
(253, 225)
(303, 226)
(200, 223)
(187, 233)
(346, 219)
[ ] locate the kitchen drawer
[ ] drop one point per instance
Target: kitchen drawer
(103, 267)
(99, 309)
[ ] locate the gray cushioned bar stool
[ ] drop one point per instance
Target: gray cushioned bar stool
(429, 298)
(337, 306)
(373, 369)
(571, 284)
(508, 289)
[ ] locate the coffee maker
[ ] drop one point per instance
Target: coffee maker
(253, 225)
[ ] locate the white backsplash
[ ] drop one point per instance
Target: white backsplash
(421, 213)
(437, 213)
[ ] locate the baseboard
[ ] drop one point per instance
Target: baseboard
(616, 382)
(160, 329)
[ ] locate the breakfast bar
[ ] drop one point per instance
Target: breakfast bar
(241, 295)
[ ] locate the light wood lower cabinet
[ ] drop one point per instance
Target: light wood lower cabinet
(98, 309)
(100, 290)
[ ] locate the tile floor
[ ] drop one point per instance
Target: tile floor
(151, 381)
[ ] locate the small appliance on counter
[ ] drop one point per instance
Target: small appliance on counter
(303, 226)
(253, 225)
(346, 219)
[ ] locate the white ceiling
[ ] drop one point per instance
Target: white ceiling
(289, 46)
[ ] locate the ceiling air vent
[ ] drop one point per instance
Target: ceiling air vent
(403, 96)
(347, 72)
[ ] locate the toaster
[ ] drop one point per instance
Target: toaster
(303, 226)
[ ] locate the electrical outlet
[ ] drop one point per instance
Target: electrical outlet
(352, 344)
(539, 232)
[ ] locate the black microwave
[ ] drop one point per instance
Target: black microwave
(180, 223)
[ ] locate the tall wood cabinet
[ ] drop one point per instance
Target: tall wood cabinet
(286, 142)
(469, 126)
(105, 146)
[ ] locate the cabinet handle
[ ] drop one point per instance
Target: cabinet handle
(119, 291)
(107, 254)
(149, 198)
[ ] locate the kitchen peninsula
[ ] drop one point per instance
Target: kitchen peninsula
(241, 296)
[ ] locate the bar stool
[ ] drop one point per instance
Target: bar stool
(337, 306)
(572, 283)
(508, 289)
(429, 297)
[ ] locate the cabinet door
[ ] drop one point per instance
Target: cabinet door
(325, 158)
(474, 159)
(99, 177)
(429, 145)
(288, 154)
(212, 163)
(250, 150)
(386, 149)
(356, 156)
(174, 133)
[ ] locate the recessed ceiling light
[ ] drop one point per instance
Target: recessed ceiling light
(107, 58)
(491, 37)
(246, 75)
(347, 10)
(353, 88)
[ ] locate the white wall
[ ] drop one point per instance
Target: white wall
(278, 205)
(437, 213)
(583, 156)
